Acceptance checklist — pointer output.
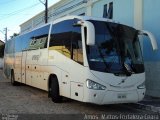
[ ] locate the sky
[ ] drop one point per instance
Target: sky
(15, 12)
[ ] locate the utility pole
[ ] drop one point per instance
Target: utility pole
(5, 29)
(46, 10)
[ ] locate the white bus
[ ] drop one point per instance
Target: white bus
(88, 59)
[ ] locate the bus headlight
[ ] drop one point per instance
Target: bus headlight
(96, 86)
(141, 86)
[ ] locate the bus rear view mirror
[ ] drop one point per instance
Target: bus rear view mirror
(151, 37)
(90, 36)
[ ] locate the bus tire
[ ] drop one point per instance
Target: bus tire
(13, 82)
(54, 90)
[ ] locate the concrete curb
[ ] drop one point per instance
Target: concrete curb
(146, 107)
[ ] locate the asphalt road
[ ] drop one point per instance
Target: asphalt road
(28, 100)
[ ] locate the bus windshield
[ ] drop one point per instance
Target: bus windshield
(117, 49)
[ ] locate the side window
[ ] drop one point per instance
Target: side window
(66, 39)
(39, 38)
(77, 45)
(18, 44)
(26, 41)
(10, 46)
(61, 37)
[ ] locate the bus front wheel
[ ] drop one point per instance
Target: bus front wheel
(54, 90)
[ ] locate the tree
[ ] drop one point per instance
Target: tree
(2, 50)
(14, 35)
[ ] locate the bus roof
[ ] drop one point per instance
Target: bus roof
(83, 18)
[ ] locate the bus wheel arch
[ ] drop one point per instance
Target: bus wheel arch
(53, 89)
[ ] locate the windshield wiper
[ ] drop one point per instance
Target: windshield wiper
(128, 69)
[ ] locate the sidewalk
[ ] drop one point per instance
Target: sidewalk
(2, 78)
(149, 103)
(1, 63)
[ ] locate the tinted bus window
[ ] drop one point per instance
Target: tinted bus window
(77, 45)
(18, 44)
(10, 46)
(26, 39)
(35, 39)
(39, 38)
(66, 39)
(61, 37)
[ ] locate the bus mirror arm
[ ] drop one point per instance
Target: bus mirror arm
(90, 32)
(151, 37)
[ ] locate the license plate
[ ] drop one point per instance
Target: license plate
(122, 96)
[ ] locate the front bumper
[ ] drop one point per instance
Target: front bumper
(113, 97)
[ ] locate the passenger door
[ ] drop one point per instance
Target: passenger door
(39, 57)
(23, 68)
(18, 59)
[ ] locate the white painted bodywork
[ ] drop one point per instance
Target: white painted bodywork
(72, 76)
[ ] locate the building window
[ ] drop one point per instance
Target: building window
(108, 12)
(105, 11)
(82, 14)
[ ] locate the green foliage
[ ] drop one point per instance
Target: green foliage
(14, 35)
(2, 50)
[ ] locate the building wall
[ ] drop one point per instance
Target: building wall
(121, 14)
(151, 23)
(124, 11)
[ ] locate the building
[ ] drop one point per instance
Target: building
(1, 42)
(141, 14)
